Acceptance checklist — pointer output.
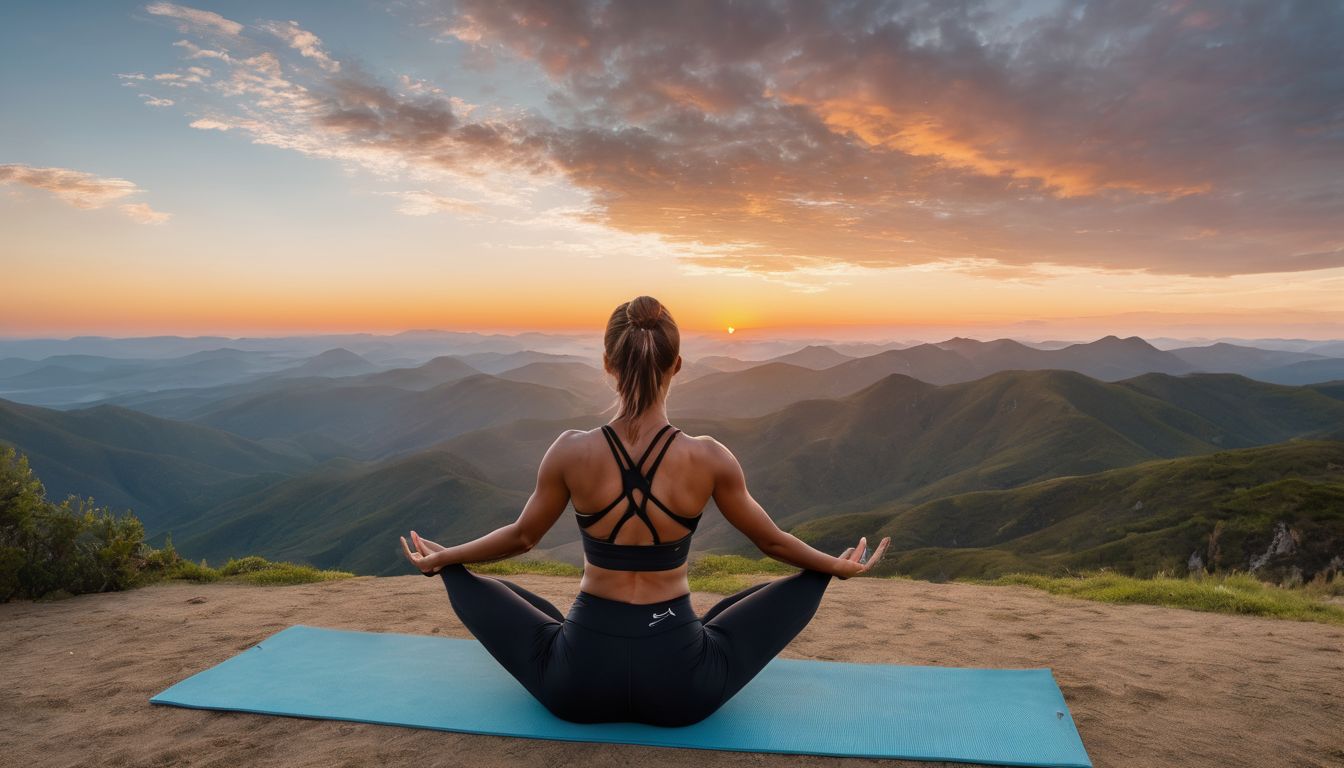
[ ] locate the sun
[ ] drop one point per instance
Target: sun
(731, 329)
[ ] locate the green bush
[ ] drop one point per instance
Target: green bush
(76, 547)
(72, 547)
(186, 570)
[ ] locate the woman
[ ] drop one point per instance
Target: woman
(631, 648)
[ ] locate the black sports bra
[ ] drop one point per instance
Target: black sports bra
(658, 556)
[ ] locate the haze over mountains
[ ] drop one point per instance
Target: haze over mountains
(296, 450)
(146, 374)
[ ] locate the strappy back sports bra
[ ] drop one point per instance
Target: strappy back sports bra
(659, 556)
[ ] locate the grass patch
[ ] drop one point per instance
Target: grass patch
(1226, 593)
(530, 565)
(291, 573)
(723, 565)
(725, 574)
(247, 570)
(719, 583)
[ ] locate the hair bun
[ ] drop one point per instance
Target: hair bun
(644, 312)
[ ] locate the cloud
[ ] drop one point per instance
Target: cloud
(196, 52)
(306, 43)
(807, 139)
(195, 19)
(208, 124)
(155, 101)
(81, 190)
(425, 203)
(946, 130)
(142, 213)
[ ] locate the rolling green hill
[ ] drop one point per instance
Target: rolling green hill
(1278, 509)
(348, 516)
(162, 469)
(904, 440)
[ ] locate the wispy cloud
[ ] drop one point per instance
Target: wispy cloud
(195, 19)
(82, 190)
(195, 51)
(303, 41)
(142, 213)
(424, 203)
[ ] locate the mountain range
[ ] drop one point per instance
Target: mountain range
(322, 459)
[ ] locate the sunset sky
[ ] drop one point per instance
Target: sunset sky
(901, 170)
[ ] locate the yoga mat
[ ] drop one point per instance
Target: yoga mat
(997, 716)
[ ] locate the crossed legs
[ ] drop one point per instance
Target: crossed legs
(747, 629)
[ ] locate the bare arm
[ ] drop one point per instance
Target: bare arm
(746, 515)
(543, 508)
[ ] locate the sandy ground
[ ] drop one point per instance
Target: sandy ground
(1147, 686)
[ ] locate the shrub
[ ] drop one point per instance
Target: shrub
(75, 547)
(71, 547)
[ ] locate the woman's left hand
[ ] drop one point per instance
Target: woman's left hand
(426, 563)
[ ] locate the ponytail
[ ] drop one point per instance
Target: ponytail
(641, 343)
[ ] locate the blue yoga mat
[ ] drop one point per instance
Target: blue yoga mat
(997, 716)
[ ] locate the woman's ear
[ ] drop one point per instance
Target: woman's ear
(678, 366)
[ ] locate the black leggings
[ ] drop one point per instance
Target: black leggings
(611, 661)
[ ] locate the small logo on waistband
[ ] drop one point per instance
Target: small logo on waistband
(657, 617)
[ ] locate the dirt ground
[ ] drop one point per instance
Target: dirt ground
(1147, 686)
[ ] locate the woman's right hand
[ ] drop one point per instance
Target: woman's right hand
(850, 562)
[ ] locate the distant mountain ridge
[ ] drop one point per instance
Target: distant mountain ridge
(753, 390)
(181, 387)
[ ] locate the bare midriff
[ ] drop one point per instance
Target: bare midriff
(638, 587)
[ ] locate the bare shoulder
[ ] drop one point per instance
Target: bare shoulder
(568, 446)
(711, 452)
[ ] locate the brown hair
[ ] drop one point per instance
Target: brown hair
(641, 344)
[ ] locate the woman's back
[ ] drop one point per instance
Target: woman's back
(682, 470)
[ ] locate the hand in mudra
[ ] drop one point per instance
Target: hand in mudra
(421, 556)
(852, 562)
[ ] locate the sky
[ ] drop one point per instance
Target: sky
(842, 170)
